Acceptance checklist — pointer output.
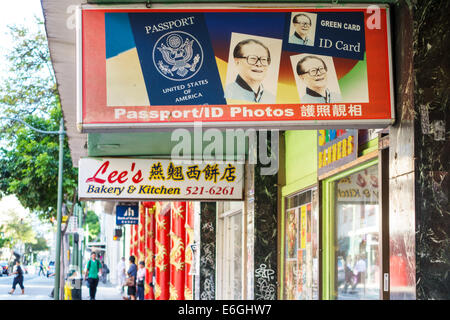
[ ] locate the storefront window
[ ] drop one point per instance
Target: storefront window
(301, 247)
(357, 265)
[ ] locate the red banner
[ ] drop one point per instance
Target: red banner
(177, 250)
(162, 244)
(141, 234)
(133, 240)
(149, 248)
(188, 252)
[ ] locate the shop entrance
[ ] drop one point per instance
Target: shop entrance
(353, 243)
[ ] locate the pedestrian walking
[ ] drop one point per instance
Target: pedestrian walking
(141, 280)
(93, 270)
(41, 268)
(131, 280)
(105, 271)
(18, 279)
(121, 274)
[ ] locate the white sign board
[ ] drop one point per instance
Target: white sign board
(144, 179)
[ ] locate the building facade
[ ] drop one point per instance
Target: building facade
(374, 227)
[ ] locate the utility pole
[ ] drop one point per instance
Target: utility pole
(57, 290)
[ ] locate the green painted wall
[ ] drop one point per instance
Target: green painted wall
(301, 172)
(301, 160)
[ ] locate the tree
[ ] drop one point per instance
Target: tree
(30, 87)
(17, 230)
(35, 248)
(28, 159)
(5, 241)
(94, 225)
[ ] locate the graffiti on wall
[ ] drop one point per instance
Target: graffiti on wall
(265, 287)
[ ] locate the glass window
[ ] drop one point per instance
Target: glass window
(357, 265)
(230, 252)
(301, 247)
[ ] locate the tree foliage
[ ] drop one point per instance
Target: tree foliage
(30, 86)
(18, 230)
(94, 225)
(29, 159)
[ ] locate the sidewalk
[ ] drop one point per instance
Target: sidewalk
(105, 291)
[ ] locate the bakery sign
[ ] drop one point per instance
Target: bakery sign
(282, 67)
(158, 179)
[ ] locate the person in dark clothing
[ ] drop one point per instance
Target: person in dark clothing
(18, 279)
(132, 273)
(41, 268)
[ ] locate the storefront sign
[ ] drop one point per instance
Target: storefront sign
(335, 148)
(284, 67)
(127, 215)
(146, 179)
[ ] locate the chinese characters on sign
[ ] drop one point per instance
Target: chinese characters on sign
(122, 178)
(166, 67)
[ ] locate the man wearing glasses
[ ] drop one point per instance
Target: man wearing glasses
(313, 71)
(302, 25)
(252, 59)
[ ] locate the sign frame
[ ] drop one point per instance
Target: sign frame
(130, 126)
(142, 179)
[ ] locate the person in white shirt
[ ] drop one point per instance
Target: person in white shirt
(121, 274)
(141, 281)
(360, 269)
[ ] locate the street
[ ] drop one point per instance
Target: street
(40, 287)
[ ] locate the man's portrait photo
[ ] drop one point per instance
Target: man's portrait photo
(303, 28)
(316, 79)
(252, 72)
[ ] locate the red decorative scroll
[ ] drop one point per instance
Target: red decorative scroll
(177, 252)
(162, 244)
(149, 248)
(140, 255)
(133, 239)
(188, 252)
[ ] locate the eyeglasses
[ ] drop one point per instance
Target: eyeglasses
(303, 24)
(315, 71)
(252, 60)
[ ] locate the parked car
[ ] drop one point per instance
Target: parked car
(50, 268)
(4, 268)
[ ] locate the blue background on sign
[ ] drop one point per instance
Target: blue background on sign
(333, 34)
(118, 35)
(212, 92)
(120, 213)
